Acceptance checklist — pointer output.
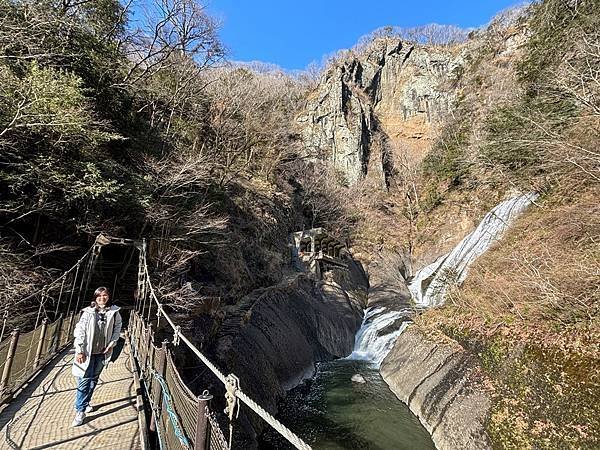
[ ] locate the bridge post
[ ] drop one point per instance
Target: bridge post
(202, 441)
(139, 328)
(71, 320)
(148, 348)
(14, 339)
(132, 326)
(161, 368)
(58, 332)
(40, 346)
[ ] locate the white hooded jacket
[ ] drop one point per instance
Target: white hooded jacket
(84, 335)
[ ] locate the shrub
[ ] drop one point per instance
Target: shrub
(447, 160)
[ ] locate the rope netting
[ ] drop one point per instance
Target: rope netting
(185, 402)
(216, 438)
(171, 417)
(23, 354)
(3, 353)
(50, 344)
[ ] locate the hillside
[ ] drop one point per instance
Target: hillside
(142, 129)
(428, 139)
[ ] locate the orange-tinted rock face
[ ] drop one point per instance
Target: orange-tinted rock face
(391, 92)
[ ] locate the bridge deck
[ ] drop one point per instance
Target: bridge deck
(40, 417)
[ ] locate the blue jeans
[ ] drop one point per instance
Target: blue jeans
(87, 383)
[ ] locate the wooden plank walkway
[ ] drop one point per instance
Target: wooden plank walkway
(40, 416)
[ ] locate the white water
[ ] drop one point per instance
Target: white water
(430, 284)
(369, 343)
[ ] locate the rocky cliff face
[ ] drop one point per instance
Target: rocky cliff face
(277, 334)
(443, 385)
(338, 124)
(391, 94)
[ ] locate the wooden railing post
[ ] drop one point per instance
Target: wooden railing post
(14, 339)
(58, 333)
(161, 368)
(148, 347)
(40, 346)
(202, 440)
(131, 326)
(70, 330)
(139, 326)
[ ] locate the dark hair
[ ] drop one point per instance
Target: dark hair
(97, 292)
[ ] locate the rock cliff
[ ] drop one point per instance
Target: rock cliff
(391, 93)
(442, 385)
(276, 335)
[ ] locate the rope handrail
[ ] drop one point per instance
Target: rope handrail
(46, 287)
(237, 391)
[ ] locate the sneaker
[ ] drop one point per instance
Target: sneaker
(89, 409)
(79, 418)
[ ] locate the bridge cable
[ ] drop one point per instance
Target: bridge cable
(62, 285)
(73, 287)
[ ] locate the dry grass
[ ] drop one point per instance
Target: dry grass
(529, 311)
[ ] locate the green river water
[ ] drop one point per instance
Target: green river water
(331, 412)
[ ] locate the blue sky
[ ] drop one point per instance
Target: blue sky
(292, 34)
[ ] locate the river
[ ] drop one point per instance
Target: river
(347, 405)
(330, 411)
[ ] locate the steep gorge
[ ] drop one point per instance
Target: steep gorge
(423, 140)
(470, 121)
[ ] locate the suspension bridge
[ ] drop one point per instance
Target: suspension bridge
(141, 401)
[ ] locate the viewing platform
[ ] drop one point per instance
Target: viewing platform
(316, 251)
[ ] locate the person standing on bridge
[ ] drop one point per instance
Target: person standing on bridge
(96, 334)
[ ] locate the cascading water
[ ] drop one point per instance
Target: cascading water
(374, 341)
(428, 287)
(430, 284)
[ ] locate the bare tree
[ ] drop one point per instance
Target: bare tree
(430, 34)
(249, 120)
(324, 197)
(170, 29)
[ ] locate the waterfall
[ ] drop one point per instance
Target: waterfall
(380, 326)
(431, 283)
(372, 342)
